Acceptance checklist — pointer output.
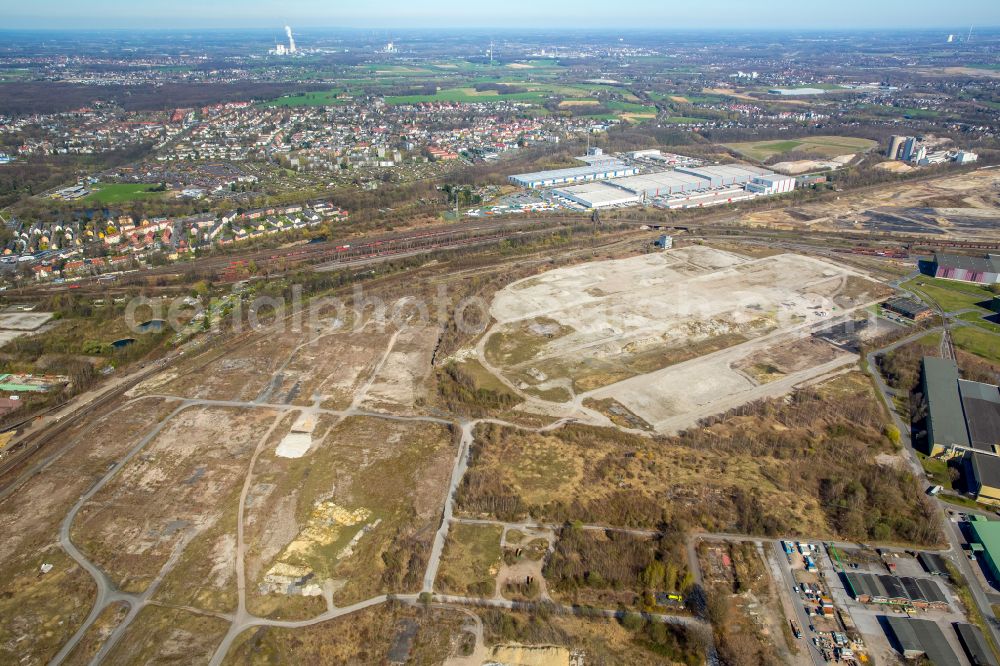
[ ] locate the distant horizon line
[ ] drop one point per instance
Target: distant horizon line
(956, 29)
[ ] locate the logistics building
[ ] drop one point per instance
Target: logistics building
(771, 184)
(725, 174)
(597, 171)
(662, 183)
(598, 195)
(895, 143)
(984, 269)
(961, 415)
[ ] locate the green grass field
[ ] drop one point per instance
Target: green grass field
(978, 341)
(112, 193)
(827, 146)
(950, 295)
(978, 318)
(321, 98)
(466, 95)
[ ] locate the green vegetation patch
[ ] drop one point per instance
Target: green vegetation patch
(977, 341)
(320, 98)
(825, 146)
(950, 295)
(471, 560)
(113, 193)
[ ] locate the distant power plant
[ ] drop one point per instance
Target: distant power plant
(281, 49)
(912, 149)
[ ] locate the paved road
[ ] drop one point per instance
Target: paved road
(800, 612)
(954, 552)
(457, 472)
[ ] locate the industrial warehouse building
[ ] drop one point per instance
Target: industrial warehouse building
(598, 195)
(898, 591)
(961, 415)
(984, 269)
(682, 187)
(597, 171)
(724, 175)
(983, 477)
(662, 183)
(771, 184)
(986, 542)
(908, 308)
(975, 645)
(921, 638)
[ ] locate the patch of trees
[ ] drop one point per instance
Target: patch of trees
(501, 88)
(901, 366)
(823, 450)
(31, 97)
(460, 394)
(736, 644)
(618, 561)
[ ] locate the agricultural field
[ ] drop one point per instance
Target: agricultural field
(822, 146)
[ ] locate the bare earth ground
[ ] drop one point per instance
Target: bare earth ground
(943, 204)
(178, 506)
(666, 334)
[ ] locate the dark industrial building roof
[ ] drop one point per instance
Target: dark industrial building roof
(975, 645)
(981, 403)
(933, 563)
(986, 470)
(989, 263)
(922, 637)
(945, 417)
(898, 588)
(907, 307)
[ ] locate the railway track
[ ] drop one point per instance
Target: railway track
(347, 251)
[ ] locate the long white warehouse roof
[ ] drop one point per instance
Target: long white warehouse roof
(598, 195)
(660, 180)
(606, 166)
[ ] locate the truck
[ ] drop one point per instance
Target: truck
(795, 629)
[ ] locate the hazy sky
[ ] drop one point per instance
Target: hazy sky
(546, 14)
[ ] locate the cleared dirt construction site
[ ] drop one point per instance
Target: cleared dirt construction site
(667, 335)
